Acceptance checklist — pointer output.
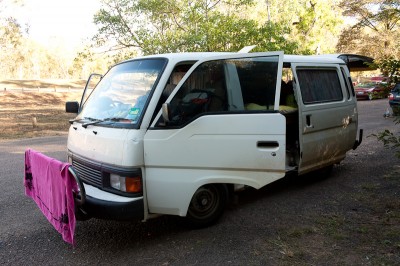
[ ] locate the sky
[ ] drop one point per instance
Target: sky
(51, 21)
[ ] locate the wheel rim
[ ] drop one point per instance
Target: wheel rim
(205, 202)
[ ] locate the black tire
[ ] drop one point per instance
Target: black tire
(207, 205)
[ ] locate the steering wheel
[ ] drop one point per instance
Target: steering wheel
(211, 95)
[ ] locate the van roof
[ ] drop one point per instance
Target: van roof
(195, 56)
(329, 59)
(354, 62)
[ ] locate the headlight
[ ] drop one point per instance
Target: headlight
(126, 184)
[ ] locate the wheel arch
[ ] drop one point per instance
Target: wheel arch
(255, 180)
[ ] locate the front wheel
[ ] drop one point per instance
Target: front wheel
(207, 205)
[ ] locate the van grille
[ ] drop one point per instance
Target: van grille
(88, 174)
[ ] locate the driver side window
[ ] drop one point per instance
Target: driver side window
(204, 91)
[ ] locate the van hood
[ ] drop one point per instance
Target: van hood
(114, 146)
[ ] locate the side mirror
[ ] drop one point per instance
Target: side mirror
(166, 114)
(72, 107)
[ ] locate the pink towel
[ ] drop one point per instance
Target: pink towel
(49, 183)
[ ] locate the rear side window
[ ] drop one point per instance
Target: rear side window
(319, 85)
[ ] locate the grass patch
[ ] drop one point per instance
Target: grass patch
(332, 225)
(370, 186)
(300, 232)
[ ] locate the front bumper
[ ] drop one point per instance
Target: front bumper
(92, 202)
(111, 210)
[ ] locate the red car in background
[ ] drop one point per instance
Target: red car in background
(371, 90)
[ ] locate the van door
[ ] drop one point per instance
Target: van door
(224, 128)
(327, 115)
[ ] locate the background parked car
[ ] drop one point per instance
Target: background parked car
(371, 90)
(394, 99)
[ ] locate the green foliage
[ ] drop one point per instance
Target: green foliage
(389, 139)
(153, 26)
(317, 25)
(389, 67)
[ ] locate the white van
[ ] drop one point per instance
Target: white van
(177, 134)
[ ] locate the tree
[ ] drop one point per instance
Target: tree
(390, 68)
(87, 61)
(376, 31)
(318, 25)
(312, 25)
(20, 56)
(154, 26)
(10, 43)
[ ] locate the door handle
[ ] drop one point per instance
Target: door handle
(308, 122)
(267, 144)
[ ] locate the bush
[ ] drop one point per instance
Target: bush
(396, 110)
(389, 139)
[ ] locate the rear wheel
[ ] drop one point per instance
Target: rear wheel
(207, 205)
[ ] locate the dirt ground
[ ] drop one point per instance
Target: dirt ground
(30, 113)
(43, 83)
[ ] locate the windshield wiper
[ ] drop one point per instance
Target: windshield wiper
(71, 121)
(91, 118)
(95, 121)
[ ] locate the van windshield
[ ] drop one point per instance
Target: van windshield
(122, 94)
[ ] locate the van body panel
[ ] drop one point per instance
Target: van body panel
(114, 146)
(232, 149)
(327, 130)
(329, 137)
(165, 197)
